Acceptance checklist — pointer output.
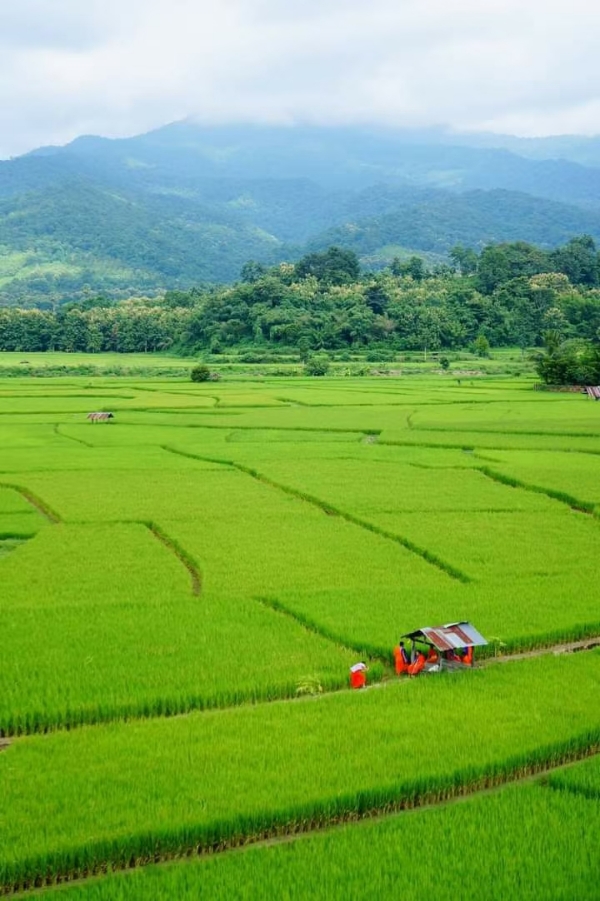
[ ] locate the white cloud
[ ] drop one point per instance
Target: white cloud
(118, 67)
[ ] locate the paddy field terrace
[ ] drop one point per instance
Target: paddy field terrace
(185, 588)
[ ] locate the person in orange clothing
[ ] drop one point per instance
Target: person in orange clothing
(401, 659)
(415, 668)
(432, 656)
(465, 656)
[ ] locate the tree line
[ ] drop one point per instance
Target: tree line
(512, 294)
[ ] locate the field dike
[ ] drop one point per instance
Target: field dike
(367, 652)
(58, 431)
(12, 541)
(82, 863)
(381, 675)
(35, 501)
(517, 432)
(590, 794)
(472, 448)
(182, 555)
(574, 646)
(169, 707)
(580, 637)
(560, 496)
(543, 779)
(330, 510)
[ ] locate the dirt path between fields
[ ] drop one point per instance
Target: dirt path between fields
(565, 647)
(305, 829)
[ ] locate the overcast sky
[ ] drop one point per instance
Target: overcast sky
(120, 67)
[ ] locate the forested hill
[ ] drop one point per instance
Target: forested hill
(441, 219)
(178, 155)
(508, 294)
(188, 204)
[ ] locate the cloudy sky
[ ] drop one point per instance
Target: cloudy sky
(119, 67)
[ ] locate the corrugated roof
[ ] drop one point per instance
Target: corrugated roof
(450, 636)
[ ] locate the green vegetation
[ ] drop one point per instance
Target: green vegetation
(335, 537)
(514, 857)
(186, 586)
(316, 366)
(138, 790)
(189, 204)
(200, 373)
(76, 233)
(569, 362)
(164, 639)
(583, 779)
(508, 295)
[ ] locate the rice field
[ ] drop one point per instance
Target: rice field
(584, 779)
(160, 786)
(183, 590)
(515, 858)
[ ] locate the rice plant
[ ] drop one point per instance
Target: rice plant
(76, 801)
(515, 857)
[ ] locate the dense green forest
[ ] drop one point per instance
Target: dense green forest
(187, 205)
(76, 236)
(508, 294)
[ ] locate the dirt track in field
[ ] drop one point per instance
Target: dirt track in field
(565, 647)
(304, 830)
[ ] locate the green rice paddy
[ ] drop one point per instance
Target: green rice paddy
(167, 575)
(514, 858)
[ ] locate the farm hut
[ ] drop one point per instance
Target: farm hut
(100, 417)
(445, 643)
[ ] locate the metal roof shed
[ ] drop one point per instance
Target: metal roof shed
(448, 638)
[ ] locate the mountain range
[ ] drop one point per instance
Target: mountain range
(190, 203)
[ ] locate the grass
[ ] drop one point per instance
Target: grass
(544, 415)
(221, 546)
(161, 787)
(465, 525)
(515, 858)
(576, 476)
(13, 502)
(581, 780)
(352, 542)
(130, 637)
(52, 359)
